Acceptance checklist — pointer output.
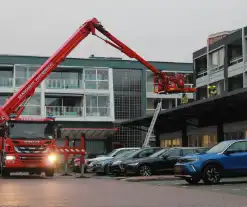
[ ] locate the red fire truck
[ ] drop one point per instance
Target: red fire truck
(27, 144)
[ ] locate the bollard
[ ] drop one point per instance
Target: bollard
(66, 159)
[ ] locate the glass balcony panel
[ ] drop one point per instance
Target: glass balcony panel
(104, 111)
(150, 87)
(64, 111)
(6, 82)
(91, 84)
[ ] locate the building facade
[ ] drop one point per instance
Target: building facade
(221, 63)
(90, 94)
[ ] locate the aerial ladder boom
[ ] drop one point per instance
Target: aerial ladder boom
(16, 104)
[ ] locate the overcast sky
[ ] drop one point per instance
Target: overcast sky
(162, 30)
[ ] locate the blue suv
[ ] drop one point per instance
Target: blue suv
(226, 159)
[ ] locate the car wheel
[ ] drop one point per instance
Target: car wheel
(145, 170)
(192, 180)
(211, 175)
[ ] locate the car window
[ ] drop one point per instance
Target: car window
(238, 147)
(146, 153)
(188, 151)
(174, 153)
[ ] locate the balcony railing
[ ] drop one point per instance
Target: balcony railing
(64, 111)
(32, 110)
(20, 81)
(63, 84)
(236, 60)
(98, 111)
(202, 73)
(6, 82)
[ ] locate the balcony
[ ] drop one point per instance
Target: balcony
(63, 84)
(6, 82)
(236, 66)
(64, 111)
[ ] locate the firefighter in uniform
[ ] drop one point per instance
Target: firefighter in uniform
(184, 99)
(212, 90)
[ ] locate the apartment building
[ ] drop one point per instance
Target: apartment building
(88, 95)
(221, 63)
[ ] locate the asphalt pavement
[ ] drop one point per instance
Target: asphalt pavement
(235, 186)
(69, 191)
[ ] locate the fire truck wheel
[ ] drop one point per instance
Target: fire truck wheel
(49, 172)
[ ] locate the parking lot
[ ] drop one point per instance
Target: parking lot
(103, 191)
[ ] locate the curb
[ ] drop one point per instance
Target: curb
(150, 179)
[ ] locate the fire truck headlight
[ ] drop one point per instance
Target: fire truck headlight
(52, 158)
(10, 157)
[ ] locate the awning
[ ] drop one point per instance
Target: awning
(227, 108)
(90, 133)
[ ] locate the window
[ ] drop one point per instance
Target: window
(188, 151)
(238, 147)
(96, 79)
(146, 153)
(217, 59)
(165, 103)
(150, 103)
(174, 153)
(97, 105)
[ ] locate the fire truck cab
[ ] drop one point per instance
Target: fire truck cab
(28, 145)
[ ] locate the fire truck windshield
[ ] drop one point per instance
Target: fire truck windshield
(31, 130)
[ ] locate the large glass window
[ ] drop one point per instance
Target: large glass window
(217, 59)
(96, 79)
(129, 95)
(6, 77)
(97, 105)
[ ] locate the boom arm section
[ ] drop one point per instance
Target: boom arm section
(16, 104)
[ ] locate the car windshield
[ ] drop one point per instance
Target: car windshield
(31, 130)
(160, 152)
(218, 148)
(111, 153)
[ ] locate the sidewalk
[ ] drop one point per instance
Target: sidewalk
(149, 178)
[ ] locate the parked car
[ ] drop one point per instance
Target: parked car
(160, 162)
(226, 159)
(101, 167)
(90, 163)
(116, 166)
